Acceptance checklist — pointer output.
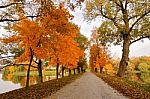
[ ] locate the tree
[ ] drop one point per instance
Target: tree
(98, 51)
(83, 45)
(93, 56)
(127, 21)
(98, 58)
(11, 8)
(48, 37)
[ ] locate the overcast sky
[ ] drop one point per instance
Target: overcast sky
(136, 49)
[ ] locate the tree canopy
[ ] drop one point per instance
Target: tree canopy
(126, 21)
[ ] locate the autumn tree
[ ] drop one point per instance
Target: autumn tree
(98, 51)
(50, 37)
(126, 22)
(98, 58)
(49, 31)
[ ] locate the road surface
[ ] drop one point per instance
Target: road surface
(88, 86)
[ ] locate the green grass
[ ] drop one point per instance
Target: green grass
(35, 73)
(88, 69)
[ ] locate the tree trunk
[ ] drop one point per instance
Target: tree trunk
(74, 71)
(28, 71)
(62, 71)
(78, 68)
(101, 69)
(125, 55)
(82, 69)
(40, 79)
(57, 68)
(69, 72)
(96, 70)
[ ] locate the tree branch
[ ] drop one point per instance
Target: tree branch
(14, 20)
(126, 4)
(112, 19)
(117, 4)
(35, 62)
(8, 20)
(5, 6)
(6, 57)
(140, 38)
(133, 17)
(138, 20)
(18, 65)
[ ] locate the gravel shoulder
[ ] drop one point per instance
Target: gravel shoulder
(88, 86)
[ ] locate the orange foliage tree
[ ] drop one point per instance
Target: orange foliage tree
(98, 53)
(98, 58)
(48, 37)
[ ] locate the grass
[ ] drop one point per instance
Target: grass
(35, 73)
(39, 91)
(142, 86)
(131, 89)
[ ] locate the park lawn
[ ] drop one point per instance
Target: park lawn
(35, 73)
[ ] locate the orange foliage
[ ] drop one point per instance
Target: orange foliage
(9, 76)
(51, 37)
(98, 56)
(98, 53)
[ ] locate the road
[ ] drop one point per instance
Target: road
(88, 86)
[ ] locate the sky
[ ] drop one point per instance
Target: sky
(136, 49)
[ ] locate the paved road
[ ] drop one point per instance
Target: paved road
(88, 86)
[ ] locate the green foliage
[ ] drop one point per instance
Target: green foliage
(121, 17)
(143, 67)
(82, 41)
(83, 63)
(145, 77)
(16, 51)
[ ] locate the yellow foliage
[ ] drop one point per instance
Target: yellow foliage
(11, 68)
(109, 68)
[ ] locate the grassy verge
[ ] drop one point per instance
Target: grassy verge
(131, 89)
(39, 91)
(35, 73)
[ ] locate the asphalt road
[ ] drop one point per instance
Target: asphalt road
(88, 86)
